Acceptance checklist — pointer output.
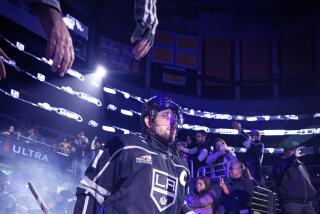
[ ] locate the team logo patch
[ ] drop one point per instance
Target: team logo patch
(144, 159)
(164, 189)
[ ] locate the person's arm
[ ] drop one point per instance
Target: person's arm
(3, 55)
(191, 151)
(146, 24)
(213, 157)
(206, 200)
(100, 178)
(247, 144)
(231, 156)
(196, 202)
(236, 125)
(59, 45)
(203, 155)
(52, 3)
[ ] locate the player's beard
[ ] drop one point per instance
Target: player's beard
(165, 135)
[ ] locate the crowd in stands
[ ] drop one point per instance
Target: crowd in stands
(79, 146)
(225, 183)
(221, 181)
(80, 150)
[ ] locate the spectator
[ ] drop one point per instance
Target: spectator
(203, 147)
(221, 154)
(254, 155)
(33, 136)
(236, 194)
(10, 132)
(293, 183)
(202, 201)
(65, 146)
(82, 148)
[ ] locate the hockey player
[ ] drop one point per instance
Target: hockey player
(138, 173)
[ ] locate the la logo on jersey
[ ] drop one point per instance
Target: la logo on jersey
(164, 189)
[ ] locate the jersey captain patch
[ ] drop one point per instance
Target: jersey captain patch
(164, 189)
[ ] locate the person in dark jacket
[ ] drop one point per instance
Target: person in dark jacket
(236, 194)
(292, 182)
(139, 173)
(203, 150)
(254, 155)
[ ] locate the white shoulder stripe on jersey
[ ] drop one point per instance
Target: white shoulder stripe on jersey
(115, 153)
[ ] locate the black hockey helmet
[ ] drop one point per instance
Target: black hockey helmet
(156, 104)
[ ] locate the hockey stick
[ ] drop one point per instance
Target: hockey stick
(38, 198)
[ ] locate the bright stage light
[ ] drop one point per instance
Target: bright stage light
(100, 72)
(95, 84)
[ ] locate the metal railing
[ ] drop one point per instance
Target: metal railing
(215, 171)
(264, 201)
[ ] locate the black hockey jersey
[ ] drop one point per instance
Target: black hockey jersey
(135, 175)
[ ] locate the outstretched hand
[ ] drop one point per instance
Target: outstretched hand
(2, 67)
(59, 44)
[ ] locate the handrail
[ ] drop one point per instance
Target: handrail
(212, 171)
